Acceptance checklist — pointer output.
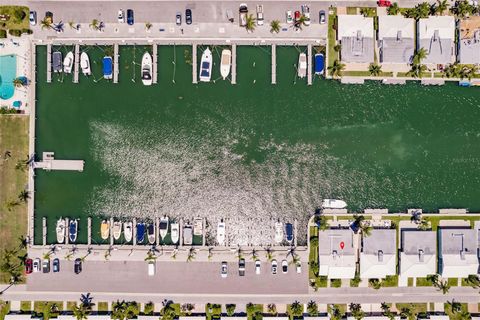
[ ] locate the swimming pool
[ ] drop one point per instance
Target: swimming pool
(8, 72)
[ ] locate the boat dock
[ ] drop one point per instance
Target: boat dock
(180, 233)
(67, 231)
(295, 232)
(50, 163)
(134, 231)
(203, 231)
(44, 230)
(433, 82)
(76, 67)
(111, 231)
(157, 234)
(234, 64)
(115, 63)
(89, 231)
(194, 64)
(274, 64)
(49, 63)
(309, 69)
(154, 67)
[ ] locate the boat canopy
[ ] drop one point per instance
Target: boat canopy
(107, 66)
(319, 63)
(57, 63)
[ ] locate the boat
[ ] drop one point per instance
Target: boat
(85, 64)
(174, 232)
(302, 65)
(60, 230)
(206, 66)
(68, 62)
(105, 229)
(319, 63)
(221, 233)
(163, 227)
(107, 67)
(198, 227)
(72, 230)
(151, 233)
(333, 204)
(278, 232)
(117, 230)
(128, 231)
(57, 64)
(225, 63)
(147, 69)
(289, 233)
(140, 232)
(187, 235)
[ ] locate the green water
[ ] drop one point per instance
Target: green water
(251, 152)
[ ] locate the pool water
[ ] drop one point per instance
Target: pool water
(8, 72)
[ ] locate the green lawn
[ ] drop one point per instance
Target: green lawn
(102, 306)
(4, 309)
(410, 282)
(25, 306)
(213, 311)
(435, 220)
(458, 314)
(424, 282)
(70, 305)
(352, 10)
(332, 36)
(390, 281)
(39, 305)
(415, 307)
(14, 21)
(453, 282)
(403, 74)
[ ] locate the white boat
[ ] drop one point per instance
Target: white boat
(302, 65)
(163, 227)
(206, 66)
(105, 229)
(147, 69)
(117, 230)
(221, 233)
(174, 232)
(60, 229)
(198, 227)
(225, 63)
(68, 62)
(85, 64)
(151, 233)
(128, 231)
(333, 204)
(278, 232)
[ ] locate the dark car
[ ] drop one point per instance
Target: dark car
(322, 17)
(130, 19)
(178, 19)
(56, 265)
(28, 266)
(46, 266)
(241, 267)
(77, 267)
(188, 16)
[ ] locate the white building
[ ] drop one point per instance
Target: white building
(396, 36)
(436, 35)
(336, 255)
(458, 253)
(418, 253)
(355, 34)
(378, 256)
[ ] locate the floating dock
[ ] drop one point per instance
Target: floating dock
(274, 64)
(44, 230)
(49, 63)
(115, 63)
(351, 80)
(89, 230)
(50, 163)
(155, 66)
(194, 64)
(234, 64)
(394, 81)
(67, 233)
(309, 69)
(433, 82)
(134, 231)
(76, 68)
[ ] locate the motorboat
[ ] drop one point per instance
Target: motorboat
(174, 232)
(105, 229)
(206, 66)
(117, 229)
(187, 235)
(319, 63)
(85, 64)
(57, 64)
(163, 227)
(225, 63)
(68, 62)
(289, 233)
(147, 69)
(151, 233)
(333, 204)
(72, 230)
(140, 232)
(60, 230)
(278, 232)
(221, 233)
(107, 67)
(302, 65)
(198, 227)
(128, 231)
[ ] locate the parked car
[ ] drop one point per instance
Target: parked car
(289, 17)
(28, 266)
(36, 265)
(178, 19)
(188, 16)
(274, 266)
(257, 266)
(297, 16)
(284, 266)
(322, 17)
(306, 14)
(151, 268)
(243, 12)
(224, 269)
(56, 265)
(241, 267)
(130, 18)
(121, 16)
(77, 267)
(384, 3)
(33, 18)
(299, 267)
(259, 15)
(46, 266)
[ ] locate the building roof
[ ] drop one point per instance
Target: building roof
(396, 39)
(378, 256)
(336, 255)
(458, 253)
(418, 255)
(356, 35)
(436, 35)
(469, 52)
(389, 26)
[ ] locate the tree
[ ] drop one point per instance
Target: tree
(230, 309)
(254, 254)
(124, 310)
(336, 69)
(168, 311)
(187, 308)
(335, 313)
(250, 23)
(300, 22)
(423, 10)
(356, 311)
(23, 196)
(9, 205)
(269, 253)
(375, 69)
(321, 222)
(387, 312)
(150, 306)
(314, 241)
(191, 254)
(367, 12)
(420, 55)
(424, 224)
(394, 9)
(296, 309)
(462, 9)
(150, 256)
(417, 70)
(443, 286)
(80, 312)
(275, 26)
(473, 281)
(272, 309)
(19, 82)
(407, 312)
(95, 24)
(454, 306)
(312, 308)
(46, 23)
(148, 26)
(441, 7)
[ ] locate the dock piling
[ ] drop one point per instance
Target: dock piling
(77, 63)
(44, 230)
(89, 230)
(234, 64)
(154, 71)
(115, 63)
(194, 64)
(309, 65)
(274, 64)
(49, 63)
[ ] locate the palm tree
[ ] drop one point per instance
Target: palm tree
(433, 278)
(336, 69)
(80, 312)
(46, 23)
(95, 24)
(443, 286)
(300, 22)
(462, 9)
(296, 309)
(272, 309)
(18, 82)
(335, 313)
(254, 254)
(375, 69)
(250, 23)
(148, 26)
(441, 7)
(150, 256)
(417, 70)
(454, 306)
(423, 10)
(168, 311)
(321, 222)
(269, 253)
(419, 56)
(275, 26)
(394, 9)
(191, 254)
(367, 12)
(314, 241)
(407, 312)
(23, 196)
(9, 205)
(473, 281)
(356, 311)
(230, 309)
(312, 308)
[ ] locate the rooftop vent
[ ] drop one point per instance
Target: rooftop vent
(462, 254)
(421, 255)
(399, 35)
(436, 35)
(380, 256)
(335, 254)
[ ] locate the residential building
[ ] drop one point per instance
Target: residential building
(336, 254)
(469, 40)
(418, 253)
(436, 35)
(457, 253)
(378, 255)
(355, 34)
(396, 42)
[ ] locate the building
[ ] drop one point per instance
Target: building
(418, 254)
(336, 254)
(469, 40)
(355, 34)
(378, 255)
(396, 42)
(436, 35)
(457, 253)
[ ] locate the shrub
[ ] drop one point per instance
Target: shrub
(27, 31)
(19, 14)
(7, 110)
(15, 32)
(3, 34)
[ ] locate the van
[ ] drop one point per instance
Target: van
(151, 268)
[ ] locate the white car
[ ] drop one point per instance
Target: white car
(299, 267)
(151, 268)
(37, 265)
(274, 266)
(257, 266)
(33, 18)
(289, 17)
(284, 266)
(306, 14)
(224, 269)
(259, 15)
(121, 16)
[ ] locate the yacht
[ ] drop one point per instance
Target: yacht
(147, 69)
(174, 232)
(105, 229)
(187, 235)
(151, 233)
(225, 63)
(68, 62)
(60, 229)
(72, 230)
(140, 232)
(221, 233)
(163, 227)
(117, 230)
(278, 232)
(302, 65)
(85, 64)
(128, 231)
(333, 204)
(206, 66)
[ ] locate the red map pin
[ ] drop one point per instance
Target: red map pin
(342, 245)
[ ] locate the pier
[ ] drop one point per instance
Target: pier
(157, 233)
(234, 64)
(44, 230)
(67, 233)
(154, 71)
(111, 231)
(49, 63)
(309, 68)
(134, 231)
(295, 233)
(274, 64)
(203, 231)
(50, 163)
(76, 68)
(115, 63)
(89, 230)
(194, 64)
(180, 233)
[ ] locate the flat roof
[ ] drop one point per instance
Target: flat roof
(454, 241)
(414, 240)
(330, 240)
(418, 256)
(350, 25)
(378, 256)
(380, 240)
(356, 35)
(390, 26)
(336, 255)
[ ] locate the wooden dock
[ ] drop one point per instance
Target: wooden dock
(157, 231)
(44, 231)
(134, 231)
(234, 64)
(111, 231)
(50, 163)
(76, 68)
(116, 69)
(274, 64)
(309, 69)
(49, 63)
(89, 230)
(155, 65)
(194, 64)
(67, 232)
